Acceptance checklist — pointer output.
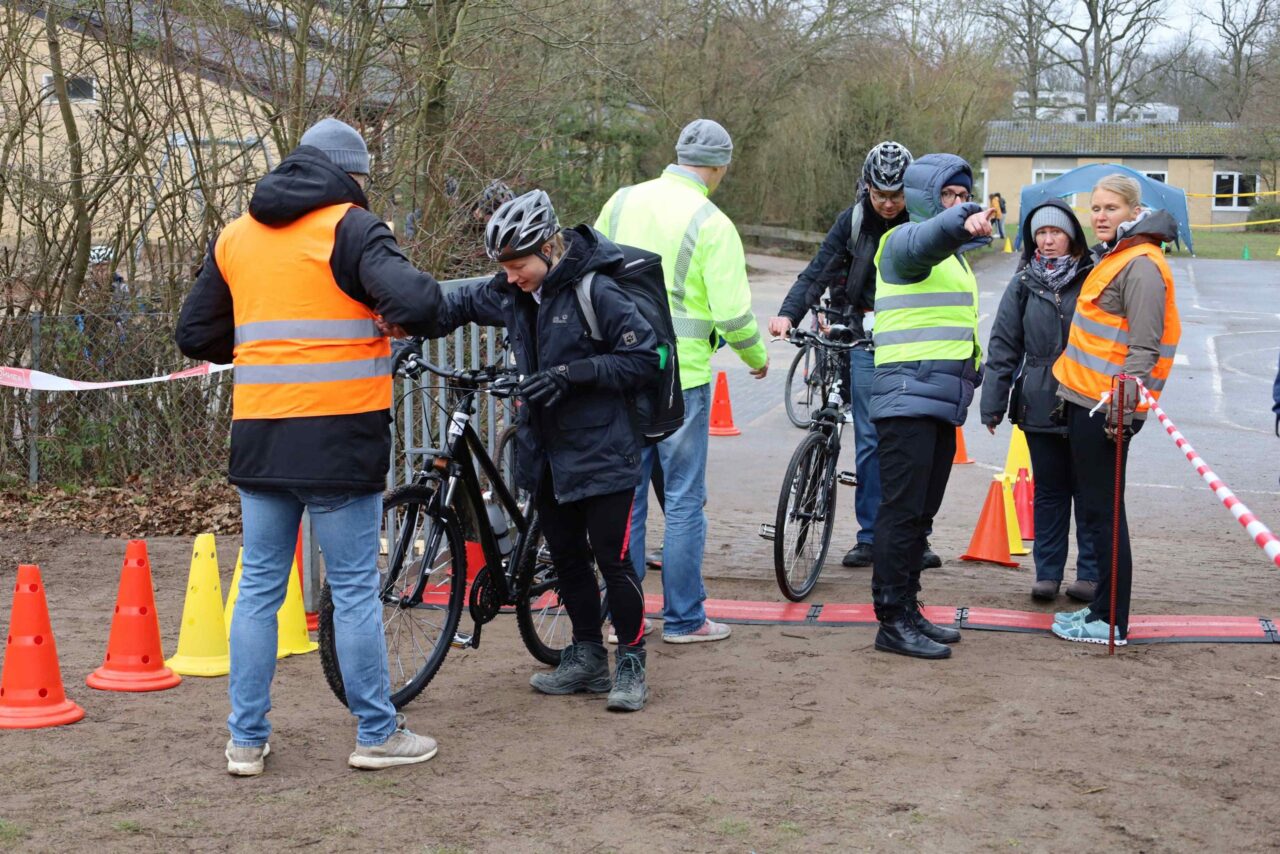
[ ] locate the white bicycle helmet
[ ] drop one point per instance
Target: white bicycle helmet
(520, 227)
(101, 254)
(886, 166)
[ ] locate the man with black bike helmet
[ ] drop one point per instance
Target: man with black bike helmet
(845, 267)
(576, 449)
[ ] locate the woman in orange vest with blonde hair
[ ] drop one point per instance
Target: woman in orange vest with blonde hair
(1126, 322)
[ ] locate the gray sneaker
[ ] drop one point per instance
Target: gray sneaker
(402, 748)
(630, 690)
(245, 761)
(583, 667)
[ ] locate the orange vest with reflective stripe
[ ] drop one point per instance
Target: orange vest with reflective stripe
(303, 348)
(1099, 341)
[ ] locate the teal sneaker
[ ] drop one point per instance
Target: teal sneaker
(1097, 631)
(1067, 618)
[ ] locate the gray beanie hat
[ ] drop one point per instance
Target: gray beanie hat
(704, 143)
(341, 143)
(1051, 215)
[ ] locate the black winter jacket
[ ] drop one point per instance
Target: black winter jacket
(333, 452)
(588, 439)
(845, 265)
(1029, 333)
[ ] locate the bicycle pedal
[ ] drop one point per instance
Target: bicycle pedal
(462, 640)
(847, 478)
(768, 532)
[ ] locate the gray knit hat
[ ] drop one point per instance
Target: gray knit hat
(341, 143)
(1053, 216)
(704, 143)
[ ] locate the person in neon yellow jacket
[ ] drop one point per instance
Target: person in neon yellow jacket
(706, 277)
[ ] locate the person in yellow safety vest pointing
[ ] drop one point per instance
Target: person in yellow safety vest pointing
(1126, 321)
(706, 277)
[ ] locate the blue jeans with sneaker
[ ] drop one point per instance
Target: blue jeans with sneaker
(346, 526)
(683, 456)
(866, 496)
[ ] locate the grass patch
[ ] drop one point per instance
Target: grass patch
(732, 827)
(790, 828)
(446, 849)
(127, 825)
(11, 832)
(1216, 243)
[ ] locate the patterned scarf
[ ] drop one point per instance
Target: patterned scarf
(1054, 273)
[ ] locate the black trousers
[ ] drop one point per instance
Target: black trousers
(915, 464)
(1093, 456)
(577, 530)
(1057, 489)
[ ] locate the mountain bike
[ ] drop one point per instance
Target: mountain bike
(424, 578)
(808, 382)
(806, 513)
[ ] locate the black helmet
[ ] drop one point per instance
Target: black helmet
(885, 166)
(520, 227)
(493, 197)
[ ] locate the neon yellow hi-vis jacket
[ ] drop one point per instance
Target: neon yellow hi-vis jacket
(702, 262)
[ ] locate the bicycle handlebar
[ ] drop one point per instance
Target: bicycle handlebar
(409, 362)
(798, 337)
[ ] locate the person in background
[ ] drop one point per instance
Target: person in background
(928, 362)
(706, 277)
(996, 202)
(1027, 336)
(292, 293)
(1126, 321)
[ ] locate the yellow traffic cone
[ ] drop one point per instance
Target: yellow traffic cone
(233, 592)
(291, 621)
(202, 641)
(1019, 456)
(1008, 246)
(1011, 517)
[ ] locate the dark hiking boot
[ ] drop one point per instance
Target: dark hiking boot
(935, 633)
(900, 635)
(1046, 590)
(583, 667)
(859, 555)
(930, 560)
(1082, 591)
(630, 691)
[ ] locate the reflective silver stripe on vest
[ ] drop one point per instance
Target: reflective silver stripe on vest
(685, 256)
(279, 330)
(324, 372)
(1120, 336)
(1154, 384)
(688, 327)
(746, 343)
(742, 321)
(615, 215)
(916, 336)
(950, 298)
(1097, 364)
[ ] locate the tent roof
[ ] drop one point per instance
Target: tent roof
(1116, 139)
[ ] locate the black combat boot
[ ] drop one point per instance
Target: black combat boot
(898, 631)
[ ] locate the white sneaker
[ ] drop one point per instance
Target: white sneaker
(402, 748)
(708, 631)
(245, 761)
(612, 637)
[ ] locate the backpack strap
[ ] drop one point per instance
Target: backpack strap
(583, 291)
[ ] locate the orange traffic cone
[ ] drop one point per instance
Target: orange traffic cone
(962, 453)
(990, 541)
(134, 659)
(1024, 496)
(31, 692)
(721, 410)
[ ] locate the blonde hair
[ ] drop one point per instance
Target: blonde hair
(557, 248)
(1123, 186)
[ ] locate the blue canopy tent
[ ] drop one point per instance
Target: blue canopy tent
(1155, 194)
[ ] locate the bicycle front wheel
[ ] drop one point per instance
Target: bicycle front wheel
(798, 390)
(806, 517)
(414, 541)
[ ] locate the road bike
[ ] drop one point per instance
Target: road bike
(806, 514)
(424, 577)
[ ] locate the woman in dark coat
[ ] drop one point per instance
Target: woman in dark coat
(1029, 333)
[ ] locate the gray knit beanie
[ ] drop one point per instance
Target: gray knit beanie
(1053, 216)
(341, 143)
(704, 143)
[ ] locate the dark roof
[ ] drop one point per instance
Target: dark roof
(1115, 139)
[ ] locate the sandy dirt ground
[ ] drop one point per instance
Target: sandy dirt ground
(780, 739)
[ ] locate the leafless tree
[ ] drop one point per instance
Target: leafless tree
(1244, 50)
(1026, 29)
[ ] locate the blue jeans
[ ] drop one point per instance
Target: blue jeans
(866, 496)
(346, 526)
(683, 456)
(1057, 490)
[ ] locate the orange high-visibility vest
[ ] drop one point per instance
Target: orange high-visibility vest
(303, 347)
(1099, 341)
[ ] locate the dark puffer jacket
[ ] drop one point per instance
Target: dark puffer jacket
(589, 438)
(1029, 333)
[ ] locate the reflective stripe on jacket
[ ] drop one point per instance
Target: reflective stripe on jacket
(303, 348)
(702, 262)
(1099, 341)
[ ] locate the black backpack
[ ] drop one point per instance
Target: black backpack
(658, 408)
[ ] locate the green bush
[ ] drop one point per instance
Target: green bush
(1263, 212)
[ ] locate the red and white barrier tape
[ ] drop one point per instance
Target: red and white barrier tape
(26, 378)
(1260, 533)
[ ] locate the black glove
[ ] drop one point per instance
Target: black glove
(547, 388)
(403, 349)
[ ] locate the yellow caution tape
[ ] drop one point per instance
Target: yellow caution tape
(1237, 224)
(1231, 195)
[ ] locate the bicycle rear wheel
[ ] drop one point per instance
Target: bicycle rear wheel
(418, 636)
(806, 518)
(540, 614)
